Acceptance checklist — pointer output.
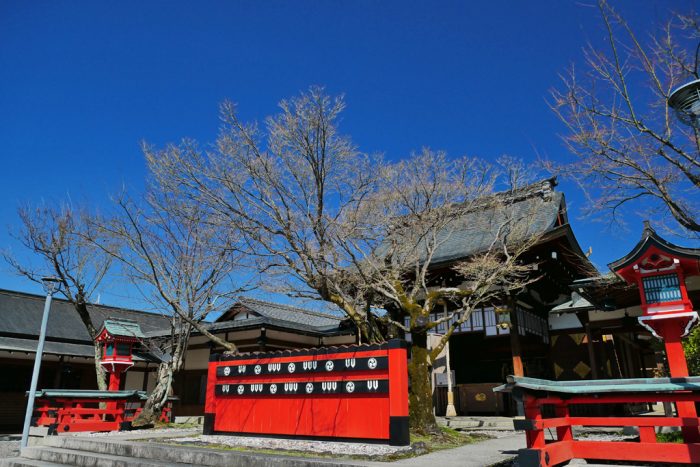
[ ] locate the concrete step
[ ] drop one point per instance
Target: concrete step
(477, 423)
(22, 462)
(85, 458)
(142, 452)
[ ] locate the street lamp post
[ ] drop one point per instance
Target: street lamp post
(51, 286)
(685, 99)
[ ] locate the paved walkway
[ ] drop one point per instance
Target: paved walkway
(481, 454)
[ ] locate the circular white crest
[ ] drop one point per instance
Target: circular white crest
(258, 369)
(273, 388)
(329, 365)
(349, 386)
(240, 389)
(372, 363)
(309, 388)
(227, 371)
(291, 367)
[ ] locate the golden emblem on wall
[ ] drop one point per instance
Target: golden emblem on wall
(480, 397)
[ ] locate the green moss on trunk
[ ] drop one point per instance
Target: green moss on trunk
(420, 397)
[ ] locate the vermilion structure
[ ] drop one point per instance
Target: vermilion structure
(118, 338)
(349, 392)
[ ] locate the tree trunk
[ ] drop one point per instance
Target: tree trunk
(166, 372)
(420, 397)
(99, 370)
(81, 308)
(157, 398)
(368, 329)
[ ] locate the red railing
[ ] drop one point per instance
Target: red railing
(91, 412)
(552, 441)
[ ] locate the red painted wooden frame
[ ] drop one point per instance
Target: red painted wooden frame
(350, 392)
(80, 414)
(542, 452)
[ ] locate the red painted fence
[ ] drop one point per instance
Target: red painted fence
(69, 411)
(562, 445)
(350, 392)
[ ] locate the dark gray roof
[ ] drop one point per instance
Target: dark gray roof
(290, 313)
(280, 316)
(20, 315)
(16, 344)
(473, 232)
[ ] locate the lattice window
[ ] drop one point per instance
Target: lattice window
(662, 289)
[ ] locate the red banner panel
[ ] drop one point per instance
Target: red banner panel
(350, 392)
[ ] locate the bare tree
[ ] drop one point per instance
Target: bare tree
(185, 264)
(287, 190)
(335, 224)
(55, 236)
(629, 146)
(423, 202)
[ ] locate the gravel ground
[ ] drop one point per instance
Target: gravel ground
(318, 447)
(140, 433)
(490, 433)
(9, 448)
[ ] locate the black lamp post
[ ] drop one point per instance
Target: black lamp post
(685, 99)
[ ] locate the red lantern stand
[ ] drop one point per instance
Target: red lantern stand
(116, 355)
(659, 270)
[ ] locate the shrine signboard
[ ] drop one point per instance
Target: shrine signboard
(350, 392)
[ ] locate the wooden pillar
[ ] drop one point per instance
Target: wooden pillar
(58, 377)
(146, 372)
(515, 348)
(591, 352)
(114, 381)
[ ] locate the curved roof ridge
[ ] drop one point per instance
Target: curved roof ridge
(291, 307)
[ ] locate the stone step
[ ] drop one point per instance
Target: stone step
(480, 423)
(22, 462)
(179, 455)
(86, 459)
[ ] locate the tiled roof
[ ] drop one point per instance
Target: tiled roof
(123, 327)
(290, 313)
(21, 313)
(473, 232)
(86, 350)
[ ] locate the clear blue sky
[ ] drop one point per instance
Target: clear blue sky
(81, 83)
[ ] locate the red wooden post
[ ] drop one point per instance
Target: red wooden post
(659, 269)
(679, 368)
(564, 432)
(114, 381)
(534, 436)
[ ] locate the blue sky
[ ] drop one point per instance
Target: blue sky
(82, 83)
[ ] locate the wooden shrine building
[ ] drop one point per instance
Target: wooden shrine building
(481, 352)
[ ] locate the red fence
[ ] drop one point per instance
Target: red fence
(537, 395)
(70, 411)
(349, 392)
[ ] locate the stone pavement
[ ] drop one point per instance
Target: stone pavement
(117, 449)
(481, 454)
